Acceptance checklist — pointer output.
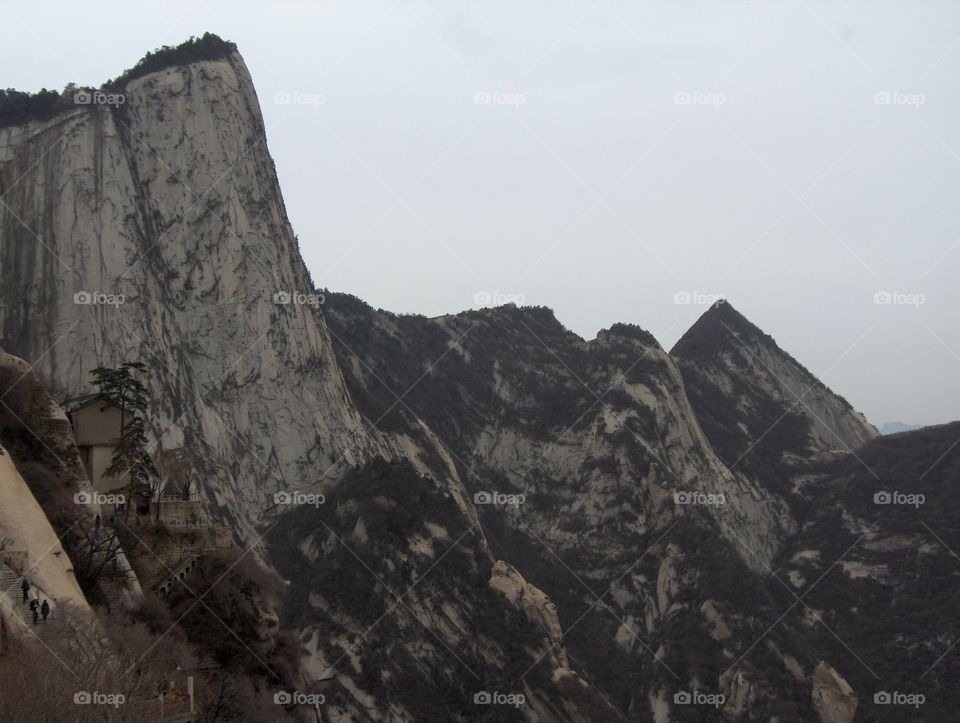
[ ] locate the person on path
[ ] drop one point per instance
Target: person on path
(25, 586)
(45, 610)
(35, 609)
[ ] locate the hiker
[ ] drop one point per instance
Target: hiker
(45, 610)
(25, 586)
(35, 609)
(96, 528)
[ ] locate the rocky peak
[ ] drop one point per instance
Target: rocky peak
(758, 406)
(535, 605)
(155, 231)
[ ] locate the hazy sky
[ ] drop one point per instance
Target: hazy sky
(603, 157)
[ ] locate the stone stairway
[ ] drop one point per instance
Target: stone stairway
(178, 573)
(112, 590)
(11, 596)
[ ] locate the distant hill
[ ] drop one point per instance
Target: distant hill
(897, 427)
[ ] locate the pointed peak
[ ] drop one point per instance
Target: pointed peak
(723, 312)
(724, 351)
(716, 327)
(723, 328)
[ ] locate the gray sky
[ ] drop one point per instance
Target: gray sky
(618, 154)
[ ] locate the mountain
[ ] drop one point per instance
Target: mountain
(489, 505)
(897, 427)
(598, 440)
(764, 413)
(155, 230)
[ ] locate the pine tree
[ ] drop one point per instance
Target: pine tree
(128, 393)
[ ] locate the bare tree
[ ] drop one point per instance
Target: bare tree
(95, 550)
(84, 669)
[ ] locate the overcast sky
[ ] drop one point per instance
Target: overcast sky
(607, 159)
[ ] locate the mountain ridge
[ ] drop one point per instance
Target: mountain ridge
(603, 476)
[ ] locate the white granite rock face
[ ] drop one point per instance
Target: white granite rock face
(173, 203)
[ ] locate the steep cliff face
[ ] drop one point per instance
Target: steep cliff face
(170, 204)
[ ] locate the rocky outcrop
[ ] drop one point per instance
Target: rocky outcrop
(743, 691)
(719, 630)
(669, 581)
(833, 698)
(536, 606)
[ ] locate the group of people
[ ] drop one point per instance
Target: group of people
(35, 607)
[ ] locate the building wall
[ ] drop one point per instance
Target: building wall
(179, 512)
(99, 458)
(169, 545)
(96, 424)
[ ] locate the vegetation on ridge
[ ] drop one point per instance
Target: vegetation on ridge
(209, 46)
(18, 107)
